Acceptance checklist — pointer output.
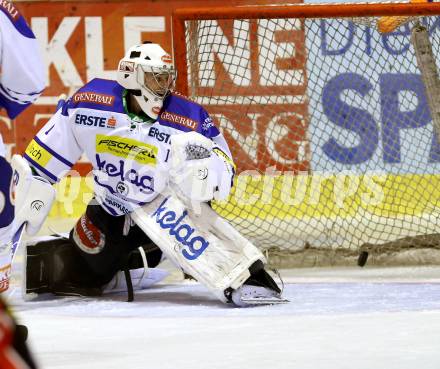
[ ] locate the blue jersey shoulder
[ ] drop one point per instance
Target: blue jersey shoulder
(16, 19)
(98, 94)
(185, 115)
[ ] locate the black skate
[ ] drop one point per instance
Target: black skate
(258, 289)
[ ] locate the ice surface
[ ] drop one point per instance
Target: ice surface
(337, 318)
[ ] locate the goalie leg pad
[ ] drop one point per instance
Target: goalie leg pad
(204, 245)
(53, 266)
(33, 196)
(95, 252)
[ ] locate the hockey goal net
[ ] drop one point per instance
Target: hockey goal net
(329, 123)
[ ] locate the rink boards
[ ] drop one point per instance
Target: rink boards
(299, 196)
(321, 210)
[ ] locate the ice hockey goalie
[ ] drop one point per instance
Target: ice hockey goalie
(157, 160)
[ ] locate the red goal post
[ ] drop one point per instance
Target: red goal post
(329, 123)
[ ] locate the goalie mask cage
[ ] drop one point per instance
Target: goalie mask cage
(329, 124)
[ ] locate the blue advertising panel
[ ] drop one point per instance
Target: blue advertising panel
(368, 107)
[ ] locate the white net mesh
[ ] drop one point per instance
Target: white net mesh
(330, 128)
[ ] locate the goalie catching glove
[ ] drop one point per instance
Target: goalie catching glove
(201, 171)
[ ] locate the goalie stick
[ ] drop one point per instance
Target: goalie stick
(16, 240)
(8, 252)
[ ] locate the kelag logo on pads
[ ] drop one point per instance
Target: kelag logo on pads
(182, 232)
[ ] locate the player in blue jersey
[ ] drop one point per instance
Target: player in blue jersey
(22, 80)
(157, 160)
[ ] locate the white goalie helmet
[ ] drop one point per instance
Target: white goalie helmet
(149, 72)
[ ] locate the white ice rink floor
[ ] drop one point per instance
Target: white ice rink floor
(338, 318)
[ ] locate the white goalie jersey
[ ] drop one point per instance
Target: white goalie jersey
(130, 157)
